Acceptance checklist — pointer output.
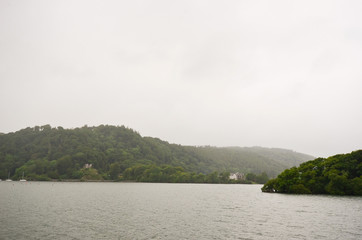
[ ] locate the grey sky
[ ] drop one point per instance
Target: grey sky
(224, 73)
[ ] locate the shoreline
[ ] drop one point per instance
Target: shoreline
(127, 181)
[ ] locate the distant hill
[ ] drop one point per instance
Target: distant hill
(61, 153)
(336, 175)
(247, 159)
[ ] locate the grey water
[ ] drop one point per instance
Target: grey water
(98, 210)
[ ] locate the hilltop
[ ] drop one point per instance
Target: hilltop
(59, 153)
(336, 175)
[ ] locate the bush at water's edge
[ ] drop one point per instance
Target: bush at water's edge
(336, 175)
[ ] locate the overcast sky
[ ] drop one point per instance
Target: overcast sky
(284, 74)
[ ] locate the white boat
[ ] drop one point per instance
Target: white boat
(23, 179)
(8, 180)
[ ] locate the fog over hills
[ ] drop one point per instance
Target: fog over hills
(60, 153)
(203, 72)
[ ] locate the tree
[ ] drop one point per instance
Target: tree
(212, 177)
(224, 177)
(251, 177)
(336, 175)
(262, 178)
(90, 174)
(63, 164)
(114, 171)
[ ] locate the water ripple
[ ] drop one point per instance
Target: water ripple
(171, 211)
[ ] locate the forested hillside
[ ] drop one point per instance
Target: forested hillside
(58, 153)
(337, 175)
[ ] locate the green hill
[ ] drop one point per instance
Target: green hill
(337, 175)
(62, 153)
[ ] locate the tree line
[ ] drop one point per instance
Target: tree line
(336, 175)
(45, 152)
(169, 174)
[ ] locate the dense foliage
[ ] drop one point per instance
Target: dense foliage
(44, 153)
(337, 175)
(169, 174)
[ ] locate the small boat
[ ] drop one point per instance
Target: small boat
(23, 179)
(8, 180)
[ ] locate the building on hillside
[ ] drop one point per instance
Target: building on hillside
(236, 176)
(88, 165)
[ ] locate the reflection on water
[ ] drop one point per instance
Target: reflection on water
(58, 210)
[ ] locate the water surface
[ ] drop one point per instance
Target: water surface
(84, 210)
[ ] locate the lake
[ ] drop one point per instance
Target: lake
(104, 210)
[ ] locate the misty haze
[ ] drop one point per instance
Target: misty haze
(201, 119)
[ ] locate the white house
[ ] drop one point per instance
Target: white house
(88, 165)
(236, 176)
